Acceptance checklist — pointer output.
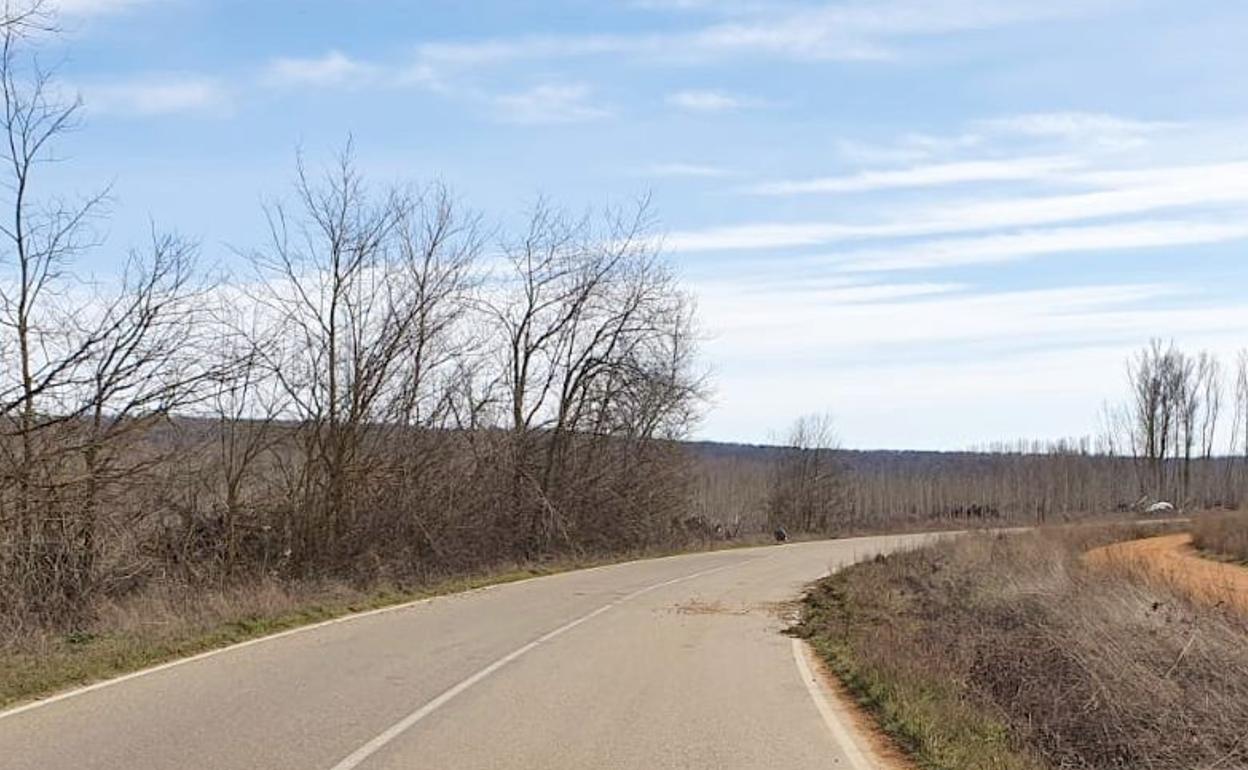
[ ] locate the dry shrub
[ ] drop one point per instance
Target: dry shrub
(1086, 668)
(1224, 534)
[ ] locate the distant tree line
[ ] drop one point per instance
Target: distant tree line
(1179, 436)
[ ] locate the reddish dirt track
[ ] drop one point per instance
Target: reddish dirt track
(1173, 559)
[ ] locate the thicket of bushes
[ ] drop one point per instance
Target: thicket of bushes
(379, 392)
(1222, 534)
(1008, 652)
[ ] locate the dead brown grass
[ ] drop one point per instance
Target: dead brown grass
(171, 620)
(1010, 652)
(1222, 534)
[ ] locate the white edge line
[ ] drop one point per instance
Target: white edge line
(67, 694)
(358, 756)
(219, 651)
(843, 737)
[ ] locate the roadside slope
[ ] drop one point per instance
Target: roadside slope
(970, 654)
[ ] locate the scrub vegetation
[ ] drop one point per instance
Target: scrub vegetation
(1222, 535)
(1012, 651)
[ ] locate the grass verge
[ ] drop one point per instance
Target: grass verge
(930, 713)
(164, 624)
(161, 626)
(1008, 652)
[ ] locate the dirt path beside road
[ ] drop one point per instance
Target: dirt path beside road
(1173, 559)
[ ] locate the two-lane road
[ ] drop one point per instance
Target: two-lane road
(666, 663)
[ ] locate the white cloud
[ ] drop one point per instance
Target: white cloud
(1133, 192)
(693, 5)
(333, 69)
(1059, 351)
(991, 249)
(783, 322)
(850, 31)
(866, 31)
(914, 148)
(96, 7)
(1084, 128)
(499, 51)
(1092, 134)
(708, 101)
(811, 291)
(685, 170)
(550, 103)
(933, 175)
(159, 94)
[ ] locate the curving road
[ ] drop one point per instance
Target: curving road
(665, 663)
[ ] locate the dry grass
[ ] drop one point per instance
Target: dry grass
(161, 625)
(1008, 652)
(1222, 534)
(170, 622)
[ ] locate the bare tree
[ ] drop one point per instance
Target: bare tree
(42, 238)
(23, 18)
(94, 366)
(1153, 375)
(366, 291)
(146, 365)
(598, 343)
(809, 483)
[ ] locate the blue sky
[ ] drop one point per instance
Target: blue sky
(946, 221)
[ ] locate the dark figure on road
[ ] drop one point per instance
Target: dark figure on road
(781, 535)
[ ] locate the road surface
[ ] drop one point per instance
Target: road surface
(666, 663)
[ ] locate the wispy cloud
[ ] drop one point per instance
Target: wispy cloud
(865, 31)
(866, 293)
(909, 149)
(501, 51)
(991, 249)
(852, 31)
(332, 69)
(1132, 192)
(82, 8)
(1083, 128)
(977, 351)
(709, 101)
(550, 103)
(933, 175)
(159, 94)
(1072, 131)
(685, 170)
(785, 321)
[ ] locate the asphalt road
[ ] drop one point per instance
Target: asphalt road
(666, 663)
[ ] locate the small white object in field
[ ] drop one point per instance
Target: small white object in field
(1162, 507)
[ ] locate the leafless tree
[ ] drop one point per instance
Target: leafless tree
(22, 18)
(94, 364)
(366, 291)
(809, 486)
(1153, 375)
(42, 238)
(598, 345)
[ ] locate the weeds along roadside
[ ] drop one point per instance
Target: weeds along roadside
(1008, 652)
(173, 621)
(1222, 535)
